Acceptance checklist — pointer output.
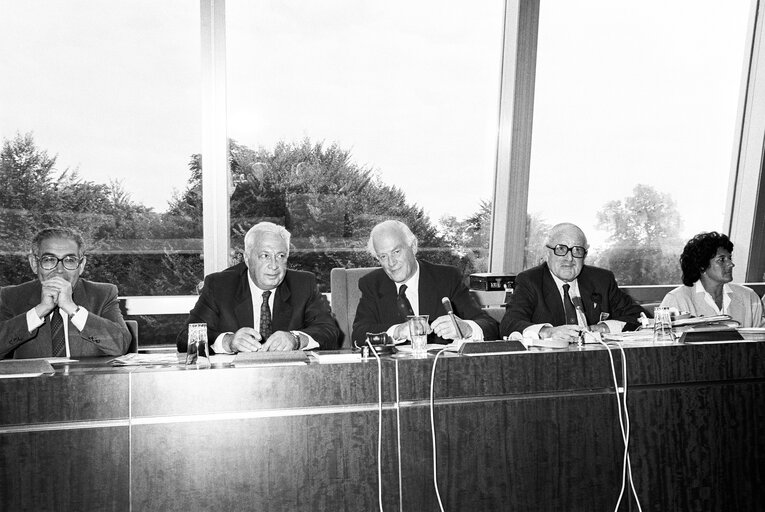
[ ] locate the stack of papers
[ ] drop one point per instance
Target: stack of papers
(146, 359)
(261, 358)
(14, 368)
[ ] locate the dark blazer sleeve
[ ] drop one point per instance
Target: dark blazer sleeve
(311, 313)
(13, 322)
(524, 304)
(105, 326)
(466, 307)
(618, 304)
(373, 313)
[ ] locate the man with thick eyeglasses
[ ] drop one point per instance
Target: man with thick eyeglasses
(60, 314)
(260, 304)
(563, 296)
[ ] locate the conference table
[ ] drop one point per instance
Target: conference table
(535, 430)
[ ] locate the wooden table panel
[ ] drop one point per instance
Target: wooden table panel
(74, 469)
(313, 462)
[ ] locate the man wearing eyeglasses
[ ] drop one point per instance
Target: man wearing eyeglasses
(563, 296)
(59, 314)
(260, 305)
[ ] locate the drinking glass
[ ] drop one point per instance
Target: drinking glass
(198, 350)
(418, 333)
(662, 326)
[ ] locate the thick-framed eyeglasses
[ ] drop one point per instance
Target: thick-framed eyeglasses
(561, 250)
(49, 262)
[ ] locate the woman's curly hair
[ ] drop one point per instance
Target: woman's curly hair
(699, 251)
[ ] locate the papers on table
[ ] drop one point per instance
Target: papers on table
(336, 356)
(248, 359)
(156, 358)
(14, 368)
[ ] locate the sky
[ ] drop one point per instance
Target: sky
(626, 93)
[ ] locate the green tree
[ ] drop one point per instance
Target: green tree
(645, 243)
(328, 203)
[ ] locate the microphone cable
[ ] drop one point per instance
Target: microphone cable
(433, 428)
(624, 423)
(379, 424)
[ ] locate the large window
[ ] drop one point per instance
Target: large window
(634, 126)
(346, 113)
(99, 123)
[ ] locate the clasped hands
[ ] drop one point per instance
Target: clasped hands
(56, 291)
(441, 326)
(569, 332)
(248, 339)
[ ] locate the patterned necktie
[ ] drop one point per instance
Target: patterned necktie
(57, 334)
(265, 318)
(402, 303)
(568, 307)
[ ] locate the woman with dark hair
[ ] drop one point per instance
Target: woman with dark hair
(707, 274)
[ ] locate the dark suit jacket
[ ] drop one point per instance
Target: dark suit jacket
(536, 300)
(105, 332)
(377, 307)
(225, 305)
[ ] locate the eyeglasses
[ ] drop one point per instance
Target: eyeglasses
(561, 250)
(49, 262)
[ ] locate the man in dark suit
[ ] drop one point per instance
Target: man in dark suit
(561, 297)
(260, 305)
(59, 314)
(404, 282)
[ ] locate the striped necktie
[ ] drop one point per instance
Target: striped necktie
(265, 318)
(568, 307)
(57, 337)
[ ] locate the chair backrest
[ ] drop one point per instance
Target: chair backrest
(132, 326)
(345, 295)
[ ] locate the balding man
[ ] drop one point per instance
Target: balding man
(546, 298)
(261, 305)
(407, 283)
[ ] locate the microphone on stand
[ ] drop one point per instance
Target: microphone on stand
(448, 306)
(580, 316)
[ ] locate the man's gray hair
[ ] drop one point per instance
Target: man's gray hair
(565, 227)
(411, 240)
(57, 232)
(265, 227)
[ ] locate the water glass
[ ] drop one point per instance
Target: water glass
(198, 350)
(418, 334)
(662, 326)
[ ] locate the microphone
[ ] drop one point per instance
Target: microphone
(448, 307)
(580, 316)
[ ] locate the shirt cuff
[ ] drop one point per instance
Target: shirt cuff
(532, 331)
(477, 334)
(33, 321)
(79, 318)
(312, 343)
(614, 326)
(218, 345)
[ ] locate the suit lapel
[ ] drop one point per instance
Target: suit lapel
(428, 300)
(282, 313)
(552, 297)
(586, 291)
(387, 298)
(243, 303)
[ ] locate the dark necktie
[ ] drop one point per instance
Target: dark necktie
(568, 307)
(57, 334)
(402, 303)
(265, 318)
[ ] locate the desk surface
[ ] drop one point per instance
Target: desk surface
(528, 431)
